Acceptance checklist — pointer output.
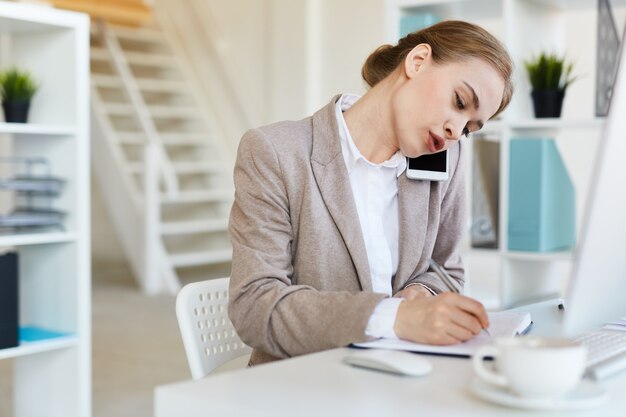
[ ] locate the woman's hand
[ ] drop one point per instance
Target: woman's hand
(414, 292)
(441, 320)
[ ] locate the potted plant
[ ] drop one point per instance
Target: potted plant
(16, 89)
(549, 75)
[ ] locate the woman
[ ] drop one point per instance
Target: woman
(331, 240)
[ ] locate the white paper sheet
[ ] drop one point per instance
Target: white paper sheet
(501, 324)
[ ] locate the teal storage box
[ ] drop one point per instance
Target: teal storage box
(542, 199)
(416, 21)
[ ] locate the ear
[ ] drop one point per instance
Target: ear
(415, 58)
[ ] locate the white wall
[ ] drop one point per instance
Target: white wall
(349, 30)
(105, 247)
(318, 49)
(286, 58)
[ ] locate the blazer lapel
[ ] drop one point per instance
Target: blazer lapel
(413, 217)
(332, 179)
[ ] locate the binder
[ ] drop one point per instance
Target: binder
(8, 300)
(542, 198)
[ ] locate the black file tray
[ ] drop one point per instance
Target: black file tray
(32, 217)
(49, 186)
(35, 189)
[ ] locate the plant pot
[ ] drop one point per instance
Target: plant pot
(548, 103)
(16, 111)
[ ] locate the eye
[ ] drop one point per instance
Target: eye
(466, 132)
(459, 103)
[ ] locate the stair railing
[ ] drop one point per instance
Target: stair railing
(156, 166)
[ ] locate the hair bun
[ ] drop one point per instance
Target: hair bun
(379, 64)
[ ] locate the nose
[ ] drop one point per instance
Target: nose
(454, 129)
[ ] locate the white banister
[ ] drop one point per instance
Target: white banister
(156, 165)
(142, 112)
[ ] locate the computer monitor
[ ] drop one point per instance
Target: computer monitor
(597, 287)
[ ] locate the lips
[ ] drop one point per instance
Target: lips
(435, 143)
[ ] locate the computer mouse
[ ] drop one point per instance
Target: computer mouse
(393, 361)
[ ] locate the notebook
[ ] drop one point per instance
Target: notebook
(501, 324)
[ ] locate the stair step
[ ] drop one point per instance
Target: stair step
(194, 227)
(168, 139)
(150, 59)
(182, 167)
(99, 54)
(217, 195)
(185, 138)
(119, 109)
(141, 35)
(190, 259)
(197, 167)
(131, 138)
(108, 81)
(174, 112)
(161, 86)
(157, 112)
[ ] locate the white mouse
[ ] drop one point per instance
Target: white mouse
(394, 361)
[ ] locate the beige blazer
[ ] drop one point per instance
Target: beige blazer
(300, 278)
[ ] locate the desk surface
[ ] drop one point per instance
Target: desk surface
(320, 385)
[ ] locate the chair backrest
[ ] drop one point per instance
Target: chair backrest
(209, 337)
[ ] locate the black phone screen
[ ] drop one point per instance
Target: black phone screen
(431, 162)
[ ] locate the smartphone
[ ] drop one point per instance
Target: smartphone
(432, 167)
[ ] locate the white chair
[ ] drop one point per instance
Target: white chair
(208, 335)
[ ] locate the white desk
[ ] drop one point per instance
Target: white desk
(320, 385)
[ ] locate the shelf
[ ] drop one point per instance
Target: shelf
(26, 238)
(556, 123)
(36, 129)
(54, 274)
(29, 18)
(484, 251)
(540, 256)
(483, 9)
(492, 128)
(570, 5)
(37, 340)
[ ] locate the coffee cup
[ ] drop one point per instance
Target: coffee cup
(533, 366)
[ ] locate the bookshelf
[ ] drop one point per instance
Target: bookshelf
(52, 363)
(499, 277)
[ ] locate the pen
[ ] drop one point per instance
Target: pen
(443, 275)
(447, 279)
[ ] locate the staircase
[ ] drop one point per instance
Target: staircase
(164, 175)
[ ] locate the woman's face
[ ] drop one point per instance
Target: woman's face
(436, 105)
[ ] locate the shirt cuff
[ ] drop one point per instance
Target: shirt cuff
(383, 319)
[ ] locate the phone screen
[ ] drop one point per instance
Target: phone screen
(431, 162)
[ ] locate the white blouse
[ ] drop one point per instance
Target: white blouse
(375, 191)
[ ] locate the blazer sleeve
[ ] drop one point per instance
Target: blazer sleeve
(451, 227)
(268, 311)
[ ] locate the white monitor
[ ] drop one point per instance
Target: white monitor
(597, 287)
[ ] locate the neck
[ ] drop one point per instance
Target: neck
(370, 123)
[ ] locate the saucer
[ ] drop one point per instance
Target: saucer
(587, 394)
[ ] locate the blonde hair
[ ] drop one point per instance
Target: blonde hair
(450, 41)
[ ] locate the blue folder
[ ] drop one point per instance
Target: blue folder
(542, 199)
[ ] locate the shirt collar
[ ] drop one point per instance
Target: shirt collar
(351, 153)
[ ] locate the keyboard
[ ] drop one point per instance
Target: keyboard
(606, 353)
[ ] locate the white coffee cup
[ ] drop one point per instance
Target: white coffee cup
(533, 366)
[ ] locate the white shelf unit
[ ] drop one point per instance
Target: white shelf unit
(52, 368)
(499, 277)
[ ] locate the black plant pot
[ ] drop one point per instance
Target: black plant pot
(16, 111)
(548, 103)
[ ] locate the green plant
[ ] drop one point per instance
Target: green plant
(549, 72)
(16, 85)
